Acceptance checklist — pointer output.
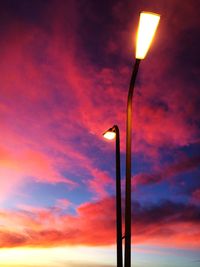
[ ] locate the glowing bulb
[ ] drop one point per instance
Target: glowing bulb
(109, 135)
(146, 31)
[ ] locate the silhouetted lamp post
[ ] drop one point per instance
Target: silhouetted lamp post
(111, 134)
(147, 27)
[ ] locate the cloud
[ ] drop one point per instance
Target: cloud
(166, 223)
(11, 239)
(55, 103)
(184, 165)
(48, 113)
(63, 203)
(20, 167)
(195, 197)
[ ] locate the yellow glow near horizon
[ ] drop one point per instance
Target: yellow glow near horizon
(109, 135)
(146, 31)
(55, 257)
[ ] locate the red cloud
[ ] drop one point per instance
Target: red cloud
(167, 223)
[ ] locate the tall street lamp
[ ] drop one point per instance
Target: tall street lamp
(147, 27)
(111, 134)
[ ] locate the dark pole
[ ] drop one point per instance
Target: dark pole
(128, 167)
(118, 199)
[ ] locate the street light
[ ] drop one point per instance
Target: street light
(146, 30)
(147, 27)
(110, 134)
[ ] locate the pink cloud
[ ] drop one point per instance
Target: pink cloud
(93, 99)
(20, 167)
(195, 198)
(41, 167)
(89, 88)
(39, 132)
(63, 203)
(99, 182)
(50, 105)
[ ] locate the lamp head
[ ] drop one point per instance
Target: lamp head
(110, 134)
(146, 30)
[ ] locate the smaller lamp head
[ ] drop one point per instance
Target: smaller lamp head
(110, 134)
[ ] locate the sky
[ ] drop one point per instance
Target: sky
(65, 68)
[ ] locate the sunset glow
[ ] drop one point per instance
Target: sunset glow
(65, 69)
(55, 256)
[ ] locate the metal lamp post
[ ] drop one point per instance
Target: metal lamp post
(111, 134)
(146, 30)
